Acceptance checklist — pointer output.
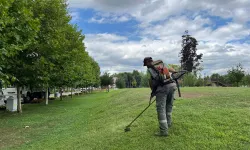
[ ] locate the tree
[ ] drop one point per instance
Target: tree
(40, 48)
(134, 83)
(215, 77)
(18, 31)
(246, 80)
(96, 73)
(206, 80)
(190, 61)
(189, 80)
(137, 78)
(120, 83)
(199, 82)
(175, 67)
(236, 74)
(55, 39)
(106, 80)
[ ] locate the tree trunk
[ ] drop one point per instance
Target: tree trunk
(19, 103)
(71, 92)
(47, 96)
(61, 94)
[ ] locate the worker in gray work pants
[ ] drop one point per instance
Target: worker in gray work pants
(164, 104)
(164, 98)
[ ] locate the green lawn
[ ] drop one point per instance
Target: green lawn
(205, 118)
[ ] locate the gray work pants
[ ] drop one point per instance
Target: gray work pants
(164, 104)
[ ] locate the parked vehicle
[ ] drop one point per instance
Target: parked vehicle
(2, 98)
(13, 91)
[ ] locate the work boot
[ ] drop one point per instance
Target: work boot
(161, 133)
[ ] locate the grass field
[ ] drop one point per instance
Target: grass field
(204, 118)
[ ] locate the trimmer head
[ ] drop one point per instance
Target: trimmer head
(127, 129)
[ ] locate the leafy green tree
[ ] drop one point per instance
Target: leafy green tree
(189, 80)
(199, 82)
(137, 78)
(134, 83)
(175, 67)
(40, 48)
(206, 80)
(128, 79)
(120, 83)
(18, 31)
(145, 79)
(236, 74)
(54, 39)
(190, 61)
(246, 80)
(106, 80)
(215, 77)
(96, 74)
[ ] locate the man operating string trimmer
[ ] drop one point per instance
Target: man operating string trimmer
(163, 87)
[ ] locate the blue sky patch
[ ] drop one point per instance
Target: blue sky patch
(127, 28)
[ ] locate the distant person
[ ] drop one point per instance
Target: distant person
(163, 87)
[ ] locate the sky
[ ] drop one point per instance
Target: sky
(120, 33)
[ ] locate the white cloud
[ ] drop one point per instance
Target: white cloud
(104, 37)
(109, 18)
(161, 25)
(107, 5)
(75, 16)
(95, 20)
(174, 27)
(123, 19)
(128, 55)
(155, 10)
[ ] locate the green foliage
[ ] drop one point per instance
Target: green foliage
(40, 48)
(199, 82)
(236, 75)
(189, 80)
(134, 83)
(175, 67)
(190, 61)
(18, 31)
(133, 79)
(145, 79)
(246, 80)
(120, 83)
(215, 77)
(106, 79)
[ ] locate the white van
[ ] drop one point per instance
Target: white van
(13, 91)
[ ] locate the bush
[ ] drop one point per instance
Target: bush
(120, 83)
